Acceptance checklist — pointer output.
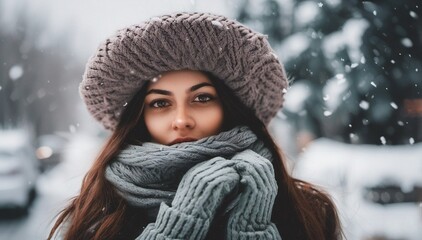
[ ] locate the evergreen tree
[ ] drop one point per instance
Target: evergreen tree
(390, 74)
(271, 20)
(382, 103)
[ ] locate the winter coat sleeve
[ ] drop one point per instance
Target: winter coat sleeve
(198, 196)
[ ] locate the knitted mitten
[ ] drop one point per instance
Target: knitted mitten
(251, 218)
(198, 196)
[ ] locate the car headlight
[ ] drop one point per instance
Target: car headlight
(44, 152)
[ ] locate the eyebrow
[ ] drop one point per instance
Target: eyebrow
(191, 89)
(198, 86)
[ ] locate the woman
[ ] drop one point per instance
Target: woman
(187, 98)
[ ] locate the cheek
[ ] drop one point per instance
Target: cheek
(211, 121)
(154, 124)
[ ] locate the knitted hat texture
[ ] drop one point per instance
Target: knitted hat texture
(239, 56)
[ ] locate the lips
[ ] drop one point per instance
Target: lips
(184, 139)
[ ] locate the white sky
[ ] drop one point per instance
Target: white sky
(91, 21)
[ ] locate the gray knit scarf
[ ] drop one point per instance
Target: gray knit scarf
(149, 174)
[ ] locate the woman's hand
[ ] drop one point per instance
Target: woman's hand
(200, 193)
(251, 218)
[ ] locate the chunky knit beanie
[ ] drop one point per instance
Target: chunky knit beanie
(239, 56)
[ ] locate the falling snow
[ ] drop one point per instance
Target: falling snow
(411, 140)
(41, 93)
(15, 72)
(373, 84)
(72, 128)
(364, 105)
(383, 141)
(154, 79)
(413, 14)
(217, 23)
(353, 137)
(407, 42)
(394, 105)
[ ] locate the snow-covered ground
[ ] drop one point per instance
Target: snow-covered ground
(347, 171)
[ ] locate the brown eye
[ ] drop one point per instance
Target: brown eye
(159, 104)
(203, 98)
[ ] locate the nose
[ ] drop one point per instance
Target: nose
(183, 120)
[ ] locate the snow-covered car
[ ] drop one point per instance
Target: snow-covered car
(378, 189)
(19, 170)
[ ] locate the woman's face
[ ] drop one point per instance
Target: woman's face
(182, 106)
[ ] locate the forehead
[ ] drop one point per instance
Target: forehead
(179, 80)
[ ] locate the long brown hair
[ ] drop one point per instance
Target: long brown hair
(301, 211)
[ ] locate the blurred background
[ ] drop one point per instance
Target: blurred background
(351, 122)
